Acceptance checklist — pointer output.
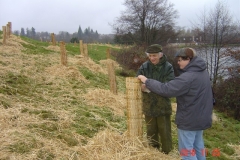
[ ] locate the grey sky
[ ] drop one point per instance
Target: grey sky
(190, 10)
(61, 15)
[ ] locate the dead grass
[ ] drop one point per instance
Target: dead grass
(115, 146)
(20, 139)
(56, 71)
(101, 98)
(105, 62)
(237, 151)
(91, 65)
(53, 48)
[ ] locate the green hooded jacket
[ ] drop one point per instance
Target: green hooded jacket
(153, 104)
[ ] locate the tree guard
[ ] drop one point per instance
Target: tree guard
(134, 107)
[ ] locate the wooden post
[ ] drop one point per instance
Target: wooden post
(9, 29)
(108, 53)
(81, 46)
(85, 50)
(112, 78)
(53, 39)
(63, 53)
(4, 34)
(134, 107)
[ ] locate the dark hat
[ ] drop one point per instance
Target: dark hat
(186, 52)
(154, 48)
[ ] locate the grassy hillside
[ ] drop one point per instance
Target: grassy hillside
(50, 111)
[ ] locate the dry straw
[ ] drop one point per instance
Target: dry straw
(105, 98)
(56, 71)
(236, 155)
(13, 45)
(91, 65)
(116, 146)
(53, 48)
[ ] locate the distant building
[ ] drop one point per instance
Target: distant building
(186, 39)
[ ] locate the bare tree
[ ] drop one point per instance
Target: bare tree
(148, 21)
(218, 32)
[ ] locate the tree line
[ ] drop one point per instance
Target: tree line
(88, 35)
(146, 22)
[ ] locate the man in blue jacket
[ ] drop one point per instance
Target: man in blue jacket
(194, 102)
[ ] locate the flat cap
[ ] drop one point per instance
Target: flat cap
(154, 48)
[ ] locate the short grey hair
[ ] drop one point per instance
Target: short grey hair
(153, 53)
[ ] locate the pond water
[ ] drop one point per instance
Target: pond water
(225, 62)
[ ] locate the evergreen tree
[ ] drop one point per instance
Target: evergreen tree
(16, 33)
(86, 32)
(33, 33)
(74, 39)
(28, 33)
(96, 35)
(80, 33)
(22, 32)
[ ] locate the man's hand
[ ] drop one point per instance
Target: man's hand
(142, 78)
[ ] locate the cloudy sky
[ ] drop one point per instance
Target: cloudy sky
(62, 15)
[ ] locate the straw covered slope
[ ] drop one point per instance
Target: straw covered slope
(51, 111)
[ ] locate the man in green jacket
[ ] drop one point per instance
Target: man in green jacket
(157, 109)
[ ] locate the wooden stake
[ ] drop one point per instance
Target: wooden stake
(63, 53)
(85, 50)
(4, 34)
(81, 46)
(53, 39)
(9, 29)
(108, 53)
(112, 78)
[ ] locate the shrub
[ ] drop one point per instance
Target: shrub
(131, 58)
(170, 53)
(227, 95)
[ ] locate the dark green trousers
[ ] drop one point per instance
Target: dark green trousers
(159, 128)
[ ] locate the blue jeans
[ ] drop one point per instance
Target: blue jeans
(191, 145)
